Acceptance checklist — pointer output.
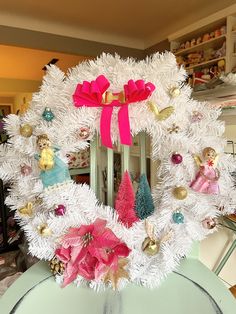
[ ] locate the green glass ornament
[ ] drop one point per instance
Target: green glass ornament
(48, 114)
(178, 217)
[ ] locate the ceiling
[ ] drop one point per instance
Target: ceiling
(27, 64)
(131, 23)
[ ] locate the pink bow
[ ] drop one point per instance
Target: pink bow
(95, 94)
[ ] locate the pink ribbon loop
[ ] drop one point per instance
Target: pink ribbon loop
(91, 94)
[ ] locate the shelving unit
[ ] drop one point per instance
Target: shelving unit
(205, 63)
(212, 24)
(202, 45)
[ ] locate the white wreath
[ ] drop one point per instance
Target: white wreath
(81, 203)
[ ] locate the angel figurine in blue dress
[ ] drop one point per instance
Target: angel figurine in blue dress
(53, 169)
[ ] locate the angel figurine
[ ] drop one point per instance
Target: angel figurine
(53, 169)
(206, 180)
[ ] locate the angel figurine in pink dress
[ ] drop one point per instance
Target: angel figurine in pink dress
(206, 180)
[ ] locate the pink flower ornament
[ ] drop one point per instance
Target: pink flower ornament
(89, 251)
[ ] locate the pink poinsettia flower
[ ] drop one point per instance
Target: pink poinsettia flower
(88, 251)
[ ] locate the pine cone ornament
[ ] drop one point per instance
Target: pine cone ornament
(57, 267)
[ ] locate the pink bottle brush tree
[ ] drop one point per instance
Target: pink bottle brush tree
(125, 202)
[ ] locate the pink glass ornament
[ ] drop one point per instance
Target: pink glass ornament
(25, 170)
(60, 210)
(83, 133)
(176, 158)
(209, 223)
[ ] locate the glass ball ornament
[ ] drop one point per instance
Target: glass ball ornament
(174, 91)
(25, 170)
(180, 192)
(176, 158)
(26, 130)
(60, 210)
(83, 133)
(178, 217)
(48, 115)
(209, 223)
(150, 246)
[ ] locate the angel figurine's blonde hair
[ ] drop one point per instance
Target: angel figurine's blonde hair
(208, 150)
(42, 137)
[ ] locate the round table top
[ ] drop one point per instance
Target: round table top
(191, 289)
(232, 217)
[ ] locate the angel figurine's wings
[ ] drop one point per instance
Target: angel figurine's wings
(197, 160)
(161, 114)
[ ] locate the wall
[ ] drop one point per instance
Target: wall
(21, 102)
(13, 86)
(159, 47)
(230, 132)
(39, 40)
(20, 91)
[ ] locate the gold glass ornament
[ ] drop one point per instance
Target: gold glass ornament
(26, 130)
(150, 246)
(44, 230)
(180, 192)
(27, 210)
(174, 92)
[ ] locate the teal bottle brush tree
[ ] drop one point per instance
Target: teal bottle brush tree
(144, 206)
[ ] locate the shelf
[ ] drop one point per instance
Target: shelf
(76, 171)
(203, 63)
(202, 45)
(222, 91)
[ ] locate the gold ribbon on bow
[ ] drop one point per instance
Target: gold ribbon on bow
(108, 97)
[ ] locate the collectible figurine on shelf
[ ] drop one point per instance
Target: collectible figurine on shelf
(206, 37)
(208, 175)
(199, 40)
(193, 42)
(187, 44)
(53, 169)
